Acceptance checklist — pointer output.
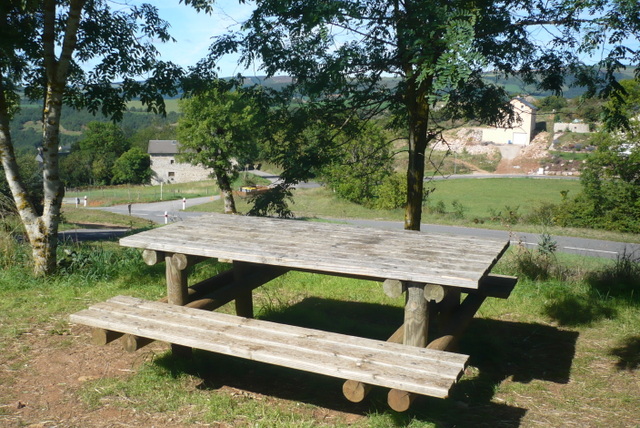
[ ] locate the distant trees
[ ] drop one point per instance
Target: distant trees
(552, 102)
(104, 156)
(133, 167)
(610, 197)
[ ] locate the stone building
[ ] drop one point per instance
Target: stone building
(578, 127)
(520, 132)
(167, 169)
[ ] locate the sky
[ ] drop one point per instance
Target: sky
(193, 31)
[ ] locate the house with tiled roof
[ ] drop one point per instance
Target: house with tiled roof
(167, 169)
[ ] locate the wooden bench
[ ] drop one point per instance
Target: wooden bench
(392, 365)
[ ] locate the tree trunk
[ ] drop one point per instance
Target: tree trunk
(417, 105)
(42, 230)
(419, 138)
(227, 194)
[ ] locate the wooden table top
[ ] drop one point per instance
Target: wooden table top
(338, 249)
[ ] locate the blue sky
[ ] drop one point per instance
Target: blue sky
(193, 31)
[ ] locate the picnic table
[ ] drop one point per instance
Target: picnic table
(431, 270)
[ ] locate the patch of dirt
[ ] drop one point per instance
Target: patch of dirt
(528, 159)
(42, 376)
(42, 391)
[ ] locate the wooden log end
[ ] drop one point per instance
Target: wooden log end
(100, 336)
(355, 391)
(393, 288)
(132, 343)
(183, 261)
(433, 292)
(400, 401)
(152, 257)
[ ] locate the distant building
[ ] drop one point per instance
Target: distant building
(578, 127)
(520, 132)
(165, 167)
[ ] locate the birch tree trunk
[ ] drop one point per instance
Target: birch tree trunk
(42, 228)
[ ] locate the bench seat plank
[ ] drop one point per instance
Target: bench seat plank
(418, 370)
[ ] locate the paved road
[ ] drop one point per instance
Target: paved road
(589, 247)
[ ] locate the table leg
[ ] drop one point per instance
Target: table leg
(244, 299)
(177, 286)
(416, 316)
(177, 292)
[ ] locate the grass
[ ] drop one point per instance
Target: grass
(490, 203)
(170, 105)
(118, 195)
(481, 196)
(559, 349)
(73, 218)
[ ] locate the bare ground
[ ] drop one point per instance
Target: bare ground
(42, 375)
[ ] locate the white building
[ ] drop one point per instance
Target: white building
(520, 132)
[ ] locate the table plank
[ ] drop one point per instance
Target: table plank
(330, 248)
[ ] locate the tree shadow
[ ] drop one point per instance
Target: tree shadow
(572, 311)
(498, 349)
(628, 354)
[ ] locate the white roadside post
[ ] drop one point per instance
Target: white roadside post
(166, 217)
(184, 204)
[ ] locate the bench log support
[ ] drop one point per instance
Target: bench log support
(355, 391)
(453, 317)
(399, 400)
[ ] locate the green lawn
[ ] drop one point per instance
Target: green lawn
(480, 196)
(560, 349)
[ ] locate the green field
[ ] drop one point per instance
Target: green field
(480, 196)
(171, 104)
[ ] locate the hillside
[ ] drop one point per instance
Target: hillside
(26, 134)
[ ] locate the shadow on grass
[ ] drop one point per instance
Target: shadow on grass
(572, 311)
(608, 287)
(498, 349)
(628, 353)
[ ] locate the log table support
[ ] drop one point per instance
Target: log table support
(244, 299)
(400, 401)
(177, 286)
(177, 290)
(416, 315)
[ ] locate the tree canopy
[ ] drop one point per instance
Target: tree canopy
(218, 131)
(338, 51)
(72, 52)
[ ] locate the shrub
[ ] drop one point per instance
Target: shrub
(621, 279)
(392, 193)
(458, 209)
